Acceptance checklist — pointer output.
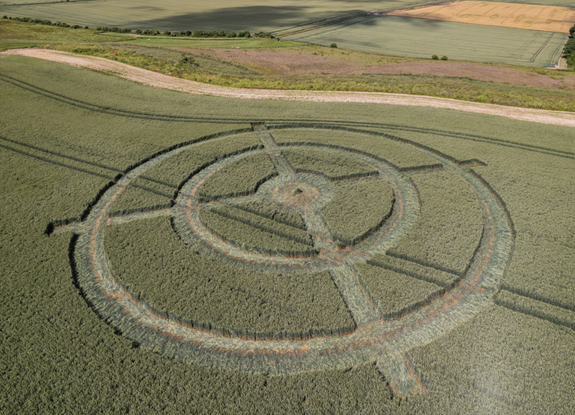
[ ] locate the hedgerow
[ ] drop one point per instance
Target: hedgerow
(147, 32)
(569, 50)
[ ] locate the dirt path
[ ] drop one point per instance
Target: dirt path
(164, 81)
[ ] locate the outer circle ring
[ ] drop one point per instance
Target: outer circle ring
(173, 338)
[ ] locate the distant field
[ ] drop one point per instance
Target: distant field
(404, 36)
(563, 3)
(197, 15)
(519, 16)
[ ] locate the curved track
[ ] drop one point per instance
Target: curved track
(157, 80)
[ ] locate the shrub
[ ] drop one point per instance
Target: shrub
(434, 57)
(4, 17)
(231, 34)
(569, 47)
(187, 60)
(166, 33)
(333, 45)
(264, 34)
(444, 58)
(245, 33)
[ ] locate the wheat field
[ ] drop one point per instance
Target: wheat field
(518, 16)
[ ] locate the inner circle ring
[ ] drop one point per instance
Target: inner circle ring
(404, 214)
(177, 339)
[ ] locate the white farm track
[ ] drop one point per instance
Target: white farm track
(157, 80)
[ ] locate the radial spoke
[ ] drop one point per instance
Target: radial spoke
(316, 226)
(346, 277)
(144, 213)
(400, 374)
(230, 201)
(362, 308)
(281, 163)
(372, 175)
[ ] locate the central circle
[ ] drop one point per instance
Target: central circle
(297, 191)
(295, 195)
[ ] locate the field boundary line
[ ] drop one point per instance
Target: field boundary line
(157, 80)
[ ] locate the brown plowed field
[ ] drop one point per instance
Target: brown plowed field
(518, 16)
(288, 62)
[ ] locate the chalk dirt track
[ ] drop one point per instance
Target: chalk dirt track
(167, 82)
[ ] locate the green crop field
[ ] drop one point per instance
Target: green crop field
(405, 36)
(254, 15)
(169, 253)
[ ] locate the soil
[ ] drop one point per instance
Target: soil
(286, 62)
(164, 81)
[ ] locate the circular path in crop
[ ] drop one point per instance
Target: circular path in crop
(308, 168)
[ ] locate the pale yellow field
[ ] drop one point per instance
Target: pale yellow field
(520, 16)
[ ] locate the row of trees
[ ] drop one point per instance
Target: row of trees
(569, 51)
(43, 22)
(148, 32)
(197, 33)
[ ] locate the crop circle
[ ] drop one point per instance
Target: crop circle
(375, 338)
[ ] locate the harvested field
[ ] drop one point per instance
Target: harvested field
(150, 312)
(518, 16)
(559, 3)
